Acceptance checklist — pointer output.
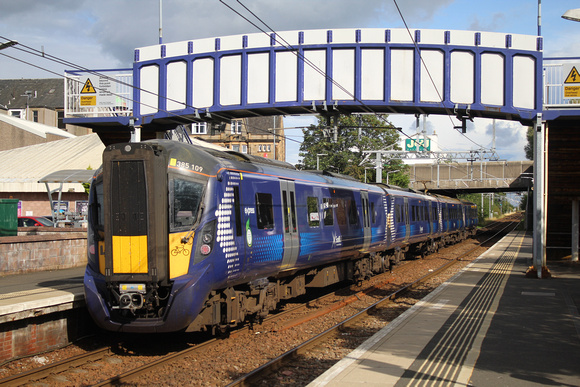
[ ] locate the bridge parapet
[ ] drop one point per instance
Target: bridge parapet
(346, 70)
(505, 176)
(561, 93)
(463, 73)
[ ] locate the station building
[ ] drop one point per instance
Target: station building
(34, 142)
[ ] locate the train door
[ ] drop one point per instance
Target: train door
(364, 195)
(407, 217)
(291, 240)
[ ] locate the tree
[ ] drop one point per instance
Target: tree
(529, 148)
(355, 134)
(87, 186)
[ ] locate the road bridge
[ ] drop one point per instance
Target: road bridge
(474, 177)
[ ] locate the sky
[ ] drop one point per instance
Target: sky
(103, 35)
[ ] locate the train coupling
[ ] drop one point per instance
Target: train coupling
(131, 296)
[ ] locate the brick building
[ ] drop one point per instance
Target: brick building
(37, 102)
(258, 136)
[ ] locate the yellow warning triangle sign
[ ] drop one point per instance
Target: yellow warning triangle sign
(89, 88)
(573, 77)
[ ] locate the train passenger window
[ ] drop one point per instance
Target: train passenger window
(313, 214)
(328, 214)
(186, 199)
(373, 213)
(352, 212)
(398, 213)
(264, 211)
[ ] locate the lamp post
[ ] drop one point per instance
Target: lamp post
(388, 172)
(318, 160)
(366, 172)
(572, 14)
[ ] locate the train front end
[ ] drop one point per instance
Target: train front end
(144, 213)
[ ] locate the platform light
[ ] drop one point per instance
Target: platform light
(572, 14)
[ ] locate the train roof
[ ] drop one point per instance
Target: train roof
(255, 164)
(281, 169)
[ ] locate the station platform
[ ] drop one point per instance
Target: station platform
(489, 325)
(26, 295)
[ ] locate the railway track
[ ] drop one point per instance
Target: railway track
(261, 373)
(286, 320)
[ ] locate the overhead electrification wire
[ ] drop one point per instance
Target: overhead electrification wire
(35, 52)
(295, 51)
(284, 43)
(428, 73)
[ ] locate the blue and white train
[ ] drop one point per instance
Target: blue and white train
(184, 238)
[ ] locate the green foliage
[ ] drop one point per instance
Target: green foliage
(356, 134)
(524, 202)
(87, 186)
(499, 206)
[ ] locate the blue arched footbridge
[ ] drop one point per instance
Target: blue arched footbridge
(461, 73)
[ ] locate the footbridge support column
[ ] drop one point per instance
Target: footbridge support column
(539, 250)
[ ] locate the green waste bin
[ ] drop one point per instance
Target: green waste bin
(8, 217)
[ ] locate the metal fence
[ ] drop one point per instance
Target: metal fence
(555, 73)
(118, 94)
(99, 93)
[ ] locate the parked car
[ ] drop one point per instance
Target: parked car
(32, 221)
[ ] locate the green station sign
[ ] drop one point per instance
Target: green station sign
(417, 145)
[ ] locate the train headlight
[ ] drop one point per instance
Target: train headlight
(207, 238)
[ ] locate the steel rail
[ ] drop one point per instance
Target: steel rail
(258, 374)
(65, 364)
(132, 374)
(49, 369)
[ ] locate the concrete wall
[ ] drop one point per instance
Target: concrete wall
(30, 253)
(49, 323)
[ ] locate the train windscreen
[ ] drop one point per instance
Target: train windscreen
(186, 198)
